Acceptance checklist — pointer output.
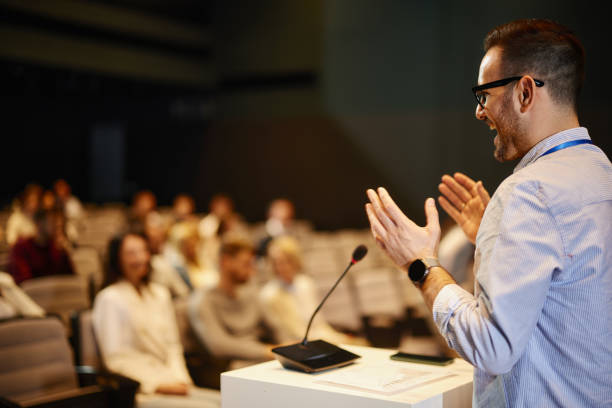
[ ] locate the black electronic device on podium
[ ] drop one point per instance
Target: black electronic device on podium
(319, 355)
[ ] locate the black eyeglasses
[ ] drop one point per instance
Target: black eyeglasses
(481, 97)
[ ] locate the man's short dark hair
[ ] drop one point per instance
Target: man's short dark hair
(233, 245)
(545, 50)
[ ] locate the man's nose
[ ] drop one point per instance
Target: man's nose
(480, 112)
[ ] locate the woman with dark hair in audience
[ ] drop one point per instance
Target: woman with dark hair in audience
(136, 330)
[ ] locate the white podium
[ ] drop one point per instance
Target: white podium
(270, 385)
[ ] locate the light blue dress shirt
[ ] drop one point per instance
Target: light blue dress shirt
(538, 328)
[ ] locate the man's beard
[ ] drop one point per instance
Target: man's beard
(509, 132)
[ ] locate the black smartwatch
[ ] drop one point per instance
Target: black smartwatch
(419, 269)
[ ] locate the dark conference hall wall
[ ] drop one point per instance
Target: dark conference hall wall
(315, 101)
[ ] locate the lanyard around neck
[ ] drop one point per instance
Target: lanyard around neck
(566, 145)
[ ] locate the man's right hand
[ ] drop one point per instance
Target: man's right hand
(465, 201)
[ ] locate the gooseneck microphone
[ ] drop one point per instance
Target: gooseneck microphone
(358, 255)
(318, 355)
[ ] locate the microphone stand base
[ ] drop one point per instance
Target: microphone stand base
(314, 356)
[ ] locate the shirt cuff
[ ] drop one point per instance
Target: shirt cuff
(446, 302)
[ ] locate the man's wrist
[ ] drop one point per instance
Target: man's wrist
(419, 269)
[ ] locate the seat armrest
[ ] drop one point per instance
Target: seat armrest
(87, 375)
(121, 390)
(91, 397)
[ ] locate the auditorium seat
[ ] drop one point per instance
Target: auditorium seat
(86, 352)
(188, 339)
(121, 390)
(87, 263)
(37, 367)
(59, 294)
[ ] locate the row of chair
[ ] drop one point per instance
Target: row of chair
(38, 370)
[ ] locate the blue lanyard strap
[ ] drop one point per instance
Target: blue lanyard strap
(566, 145)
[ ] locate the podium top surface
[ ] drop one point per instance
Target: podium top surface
(455, 379)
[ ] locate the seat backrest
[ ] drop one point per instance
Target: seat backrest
(379, 293)
(87, 263)
(188, 340)
(35, 357)
(86, 348)
(58, 294)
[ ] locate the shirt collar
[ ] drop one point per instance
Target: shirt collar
(550, 142)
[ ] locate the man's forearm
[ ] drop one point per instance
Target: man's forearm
(437, 278)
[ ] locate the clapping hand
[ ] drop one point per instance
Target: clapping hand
(402, 239)
(465, 201)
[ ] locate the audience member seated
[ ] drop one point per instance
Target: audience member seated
(291, 297)
(14, 301)
(143, 203)
(43, 254)
(20, 224)
(183, 208)
(163, 272)
(72, 208)
(48, 201)
(227, 319)
(186, 239)
(221, 219)
(280, 220)
(136, 330)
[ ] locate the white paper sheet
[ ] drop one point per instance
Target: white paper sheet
(384, 379)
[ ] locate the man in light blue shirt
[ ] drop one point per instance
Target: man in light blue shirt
(538, 328)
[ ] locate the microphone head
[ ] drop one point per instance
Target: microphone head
(359, 253)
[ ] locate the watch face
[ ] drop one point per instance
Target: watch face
(416, 271)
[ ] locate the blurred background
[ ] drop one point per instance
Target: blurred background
(311, 100)
(191, 120)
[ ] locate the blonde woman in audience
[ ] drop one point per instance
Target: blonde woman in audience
(163, 272)
(136, 330)
(289, 299)
(186, 240)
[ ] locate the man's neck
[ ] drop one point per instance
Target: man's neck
(555, 123)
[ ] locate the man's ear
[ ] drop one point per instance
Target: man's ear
(526, 90)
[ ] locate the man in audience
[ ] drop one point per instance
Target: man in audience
(222, 218)
(227, 319)
(48, 200)
(43, 254)
(143, 203)
(280, 220)
(72, 207)
(20, 223)
(183, 207)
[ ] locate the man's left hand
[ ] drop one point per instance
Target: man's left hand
(398, 236)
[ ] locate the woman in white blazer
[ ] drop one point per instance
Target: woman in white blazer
(136, 330)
